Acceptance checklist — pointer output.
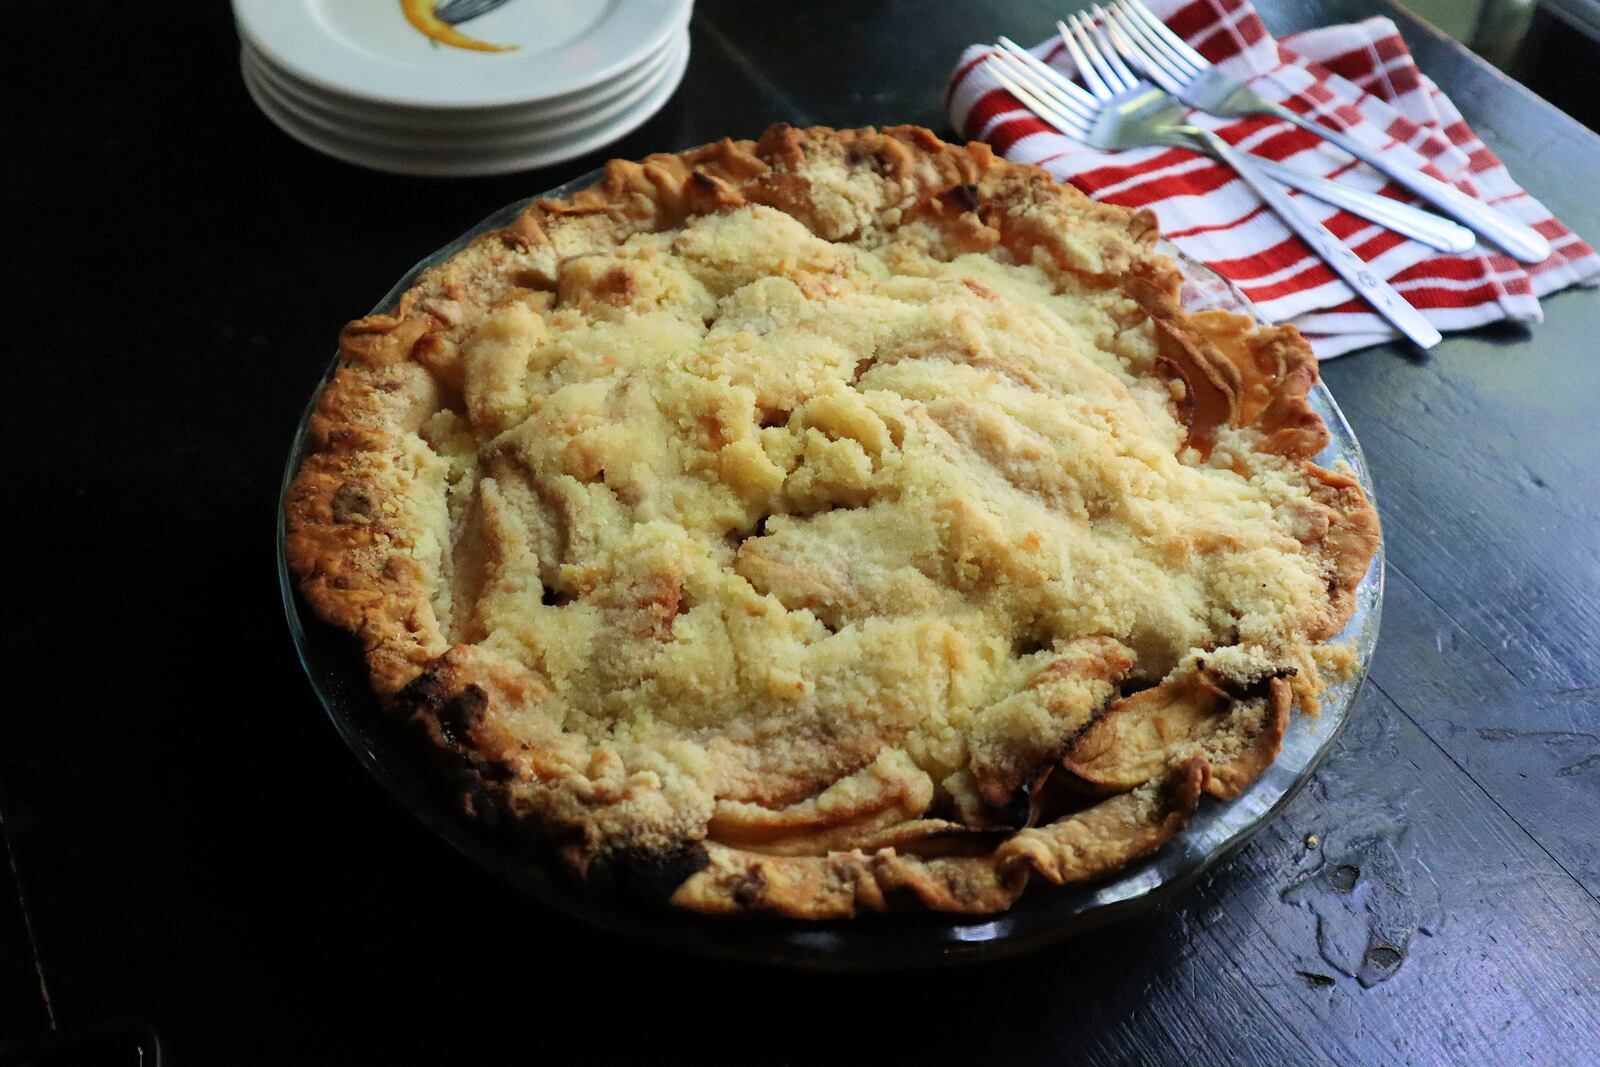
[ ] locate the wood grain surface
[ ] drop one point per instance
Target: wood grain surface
(192, 847)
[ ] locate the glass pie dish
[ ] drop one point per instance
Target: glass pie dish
(1045, 913)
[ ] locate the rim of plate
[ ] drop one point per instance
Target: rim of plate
(438, 164)
(297, 35)
(509, 138)
(407, 118)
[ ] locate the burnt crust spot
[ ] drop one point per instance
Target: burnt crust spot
(749, 890)
(429, 697)
(650, 875)
(1255, 689)
(461, 713)
(424, 694)
(1019, 810)
(351, 504)
(966, 196)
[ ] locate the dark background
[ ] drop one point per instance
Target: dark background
(191, 845)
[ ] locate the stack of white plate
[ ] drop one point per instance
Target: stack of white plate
(456, 87)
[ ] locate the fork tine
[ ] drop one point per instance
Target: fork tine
(1108, 49)
(1138, 53)
(1156, 45)
(1162, 32)
(1153, 46)
(1082, 31)
(1064, 121)
(1053, 83)
(1012, 61)
(1091, 77)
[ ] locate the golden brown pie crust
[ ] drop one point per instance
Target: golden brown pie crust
(438, 520)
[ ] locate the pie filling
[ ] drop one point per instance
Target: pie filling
(876, 529)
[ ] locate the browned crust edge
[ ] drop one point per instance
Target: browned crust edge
(362, 560)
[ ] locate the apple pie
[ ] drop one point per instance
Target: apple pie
(829, 523)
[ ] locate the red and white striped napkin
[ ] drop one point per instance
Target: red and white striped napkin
(1363, 78)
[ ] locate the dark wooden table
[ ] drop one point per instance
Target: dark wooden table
(191, 846)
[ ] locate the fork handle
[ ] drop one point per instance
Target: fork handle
(1343, 262)
(1435, 231)
(1522, 242)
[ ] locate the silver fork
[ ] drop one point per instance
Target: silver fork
(1127, 113)
(1424, 226)
(1168, 61)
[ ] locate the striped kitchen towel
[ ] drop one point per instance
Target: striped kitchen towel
(1363, 79)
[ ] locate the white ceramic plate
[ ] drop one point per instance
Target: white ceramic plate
(369, 50)
(440, 163)
(375, 115)
(462, 137)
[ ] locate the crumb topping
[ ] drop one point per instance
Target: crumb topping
(747, 490)
(785, 515)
